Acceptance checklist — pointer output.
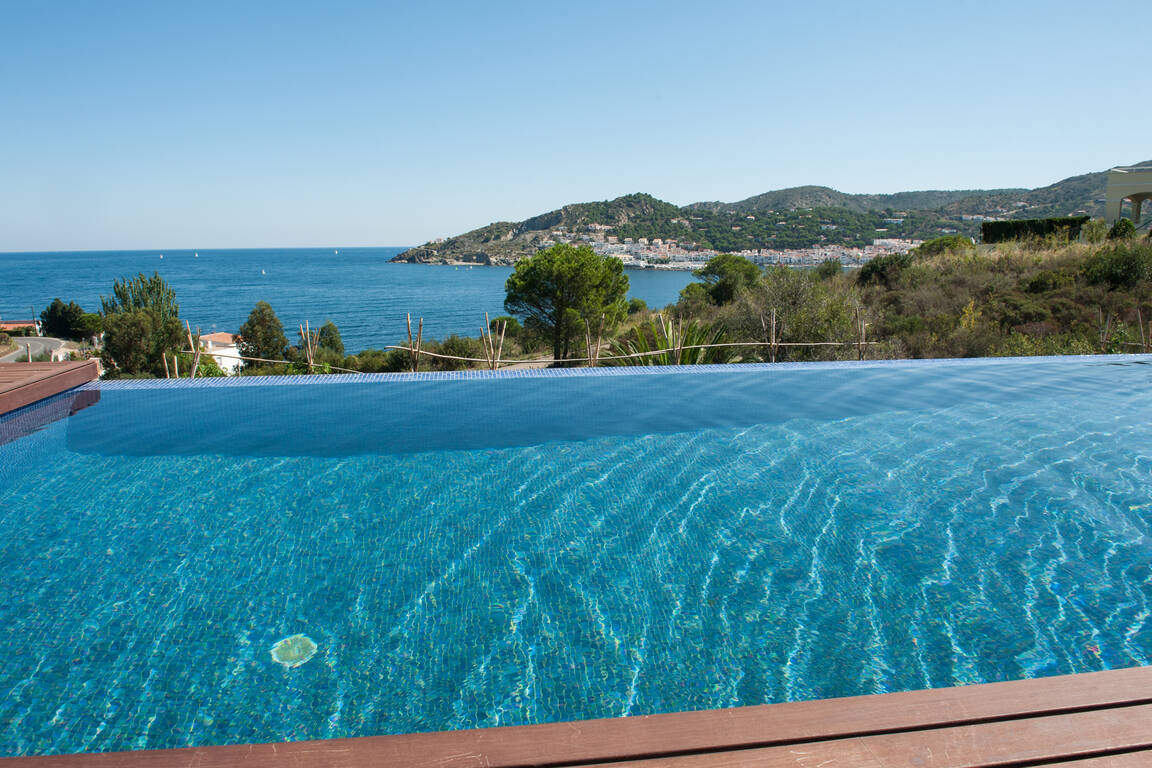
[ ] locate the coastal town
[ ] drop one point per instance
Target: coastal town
(657, 253)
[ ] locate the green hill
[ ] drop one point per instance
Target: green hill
(797, 217)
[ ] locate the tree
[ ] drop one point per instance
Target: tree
(141, 292)
(62, 320)
(262, 335)
(136, 342)
(141, 325)
(329, 338)
(561, 288)
(89, 326)
(726, 275)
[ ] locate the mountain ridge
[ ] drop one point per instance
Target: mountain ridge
(801, 217)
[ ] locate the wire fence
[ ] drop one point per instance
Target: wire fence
(493, 346)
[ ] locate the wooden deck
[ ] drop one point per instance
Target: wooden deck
(22, 384)
(1094, 720)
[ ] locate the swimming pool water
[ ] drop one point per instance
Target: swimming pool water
(481, 550)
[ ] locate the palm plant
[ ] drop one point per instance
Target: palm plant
(671, 342)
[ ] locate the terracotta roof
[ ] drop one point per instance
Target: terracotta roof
(219, 338)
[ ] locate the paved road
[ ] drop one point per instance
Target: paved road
(39, 344)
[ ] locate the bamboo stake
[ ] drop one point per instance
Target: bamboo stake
(500, 349)
(164, 357)
(410, 341)
(414, 351)
(176, 362)
(419, 343)
(772, 337)
(1140, 322)
(679, 339)
(588, 343)
(194, 348)
(599, 337)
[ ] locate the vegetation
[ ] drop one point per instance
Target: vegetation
(141, 326)
(1017, 298)
(261, 336)
(147, 293)
(669, 342)
(726, 276)
(1123, 229)
(1065, 227)
(789, 218)
(70, 321)
(562, 291)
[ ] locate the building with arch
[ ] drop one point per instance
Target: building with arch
(1133, 183)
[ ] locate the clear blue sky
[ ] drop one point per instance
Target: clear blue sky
(216, 124)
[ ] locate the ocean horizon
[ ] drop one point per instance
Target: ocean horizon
(359, 289)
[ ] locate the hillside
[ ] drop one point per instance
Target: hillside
(797, 217)
(826, 197)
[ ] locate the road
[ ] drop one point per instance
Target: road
(40, 345)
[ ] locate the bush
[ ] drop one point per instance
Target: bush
(666, 341)
(1094, 231)
(379, 361)
(636, 306)
(828, 269)
(512, 327)
(884, 270)
(1121, 267)
(946, 243)
(1066, 227)
(455, 346)
(1123, 229)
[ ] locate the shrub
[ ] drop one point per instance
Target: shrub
(636, 306)
(884, 270)
(828, 269)
(1123, 229)
(1123, 266)
(1066, 227)
(379, 361)
(944, 244)
(1094, 231)
(455, 346)
(667, 340)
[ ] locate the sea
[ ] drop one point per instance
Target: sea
(359, 289)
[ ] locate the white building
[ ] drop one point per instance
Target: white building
(222, 347)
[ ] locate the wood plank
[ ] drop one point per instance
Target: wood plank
(654, 736)
(1141, 759)
(1028, 741)
(22, 384)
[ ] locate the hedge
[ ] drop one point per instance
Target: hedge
(999, 231)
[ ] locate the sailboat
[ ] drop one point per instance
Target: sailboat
(337, 251)
(196, 255)
(263, 272)
(161, 255)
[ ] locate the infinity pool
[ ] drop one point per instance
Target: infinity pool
(479, 550)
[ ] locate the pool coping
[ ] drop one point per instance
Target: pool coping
(25, 384)
(1088, 719)
(606, 371)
